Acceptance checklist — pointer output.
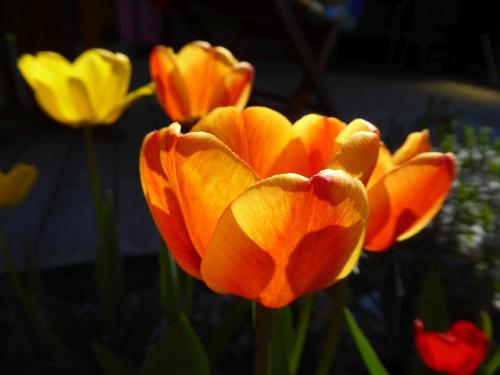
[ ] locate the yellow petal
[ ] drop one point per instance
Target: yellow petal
(164, 206)
(171, 89)
(358, 155)
(383, 166)
(107, 77)
(403, 201)
(416, 143)
(206, 176)
(47, 74)
(130, 98)
(287, 236)
(16, 184)
(80, 96)
(357, 125)
(318, 134)
(262, 137)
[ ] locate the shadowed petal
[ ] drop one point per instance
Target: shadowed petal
(416, 143)
(234, 88)
(164, 207)
(382, 167)
(318, 134)
(287, 236)
(171, 88)
(402, 202)
(16, 184)
(206, 176)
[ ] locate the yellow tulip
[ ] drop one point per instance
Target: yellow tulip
(16, 184)
(246, 201)
(90, 91)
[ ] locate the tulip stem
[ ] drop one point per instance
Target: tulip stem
(94, 177)
(262, 326)
(338, 295)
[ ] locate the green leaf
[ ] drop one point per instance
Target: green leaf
(109, 362)
(108, 268)
(178, 352)
(370, 358)
(431, 304)
(229, 322)
(493, 364)
(301, 333)
(168, 285)
(486, 324)
(281, 341)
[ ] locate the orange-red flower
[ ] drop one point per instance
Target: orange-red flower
(406, 190)
(199, 78)
(245, 203)
(459, 351)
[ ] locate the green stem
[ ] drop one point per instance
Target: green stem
(262, 325)
(301, 334)
(92, 160)
(338, 295)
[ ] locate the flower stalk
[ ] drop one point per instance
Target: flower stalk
(262, 329)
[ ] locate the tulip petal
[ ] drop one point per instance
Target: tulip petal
(415, 144)
(171, 88)
(203, 68)
(131, 97)
(79, 93)
(107, 76)
(260, 136)
(206, 177)
(164, 207)
(358, 155)
(15, 185)
(318, 134)
(47, 75)
(357, 125)
(235, 87)
(383, 166)
(287, 236)
(402, 202)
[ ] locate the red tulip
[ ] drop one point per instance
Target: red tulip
(458, 351)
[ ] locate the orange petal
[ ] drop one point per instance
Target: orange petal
(235, 87)
(358, 155)
(203, 68)
(383, 166)
(164, 206)
(318, 134)
(262, 137)
(287, 236)
(402, 202)
(206, 176)
(171, 89)
(416, 143)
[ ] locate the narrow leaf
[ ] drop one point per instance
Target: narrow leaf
(431, 304)
(109, 362)
(486, 324)
(168, 285)
(493, 364)
(370, 358)
(301, 334)
(178, 352)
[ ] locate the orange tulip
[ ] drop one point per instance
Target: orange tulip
(406, 190)
(199, 78)
(245, 203)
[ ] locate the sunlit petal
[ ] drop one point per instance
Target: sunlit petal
(416, 143)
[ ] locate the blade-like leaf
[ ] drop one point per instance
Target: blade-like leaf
(487, 324)
(168, 285)
(493, 364)
(370, 358)
(178, 352)
(108, 267)
(109, 362)
(301, 333)
(431, 305)
(228, 324)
